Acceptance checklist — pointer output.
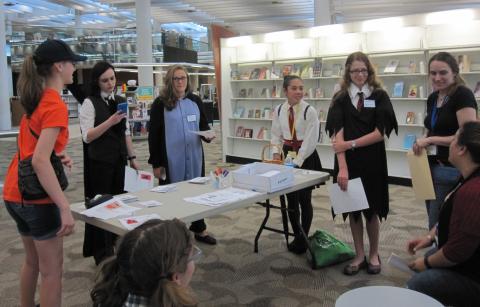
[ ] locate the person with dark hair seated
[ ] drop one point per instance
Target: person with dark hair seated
(153, 266)
(450, 272)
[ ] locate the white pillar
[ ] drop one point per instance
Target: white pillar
(5, 119)
(322, 12)
(144, 41)
(78, 23)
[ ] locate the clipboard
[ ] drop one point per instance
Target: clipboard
(421, 176)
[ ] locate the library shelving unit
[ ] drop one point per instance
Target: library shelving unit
(253, 69)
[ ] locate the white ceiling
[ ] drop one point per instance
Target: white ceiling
(240, 16)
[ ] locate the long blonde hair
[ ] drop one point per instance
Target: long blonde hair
(168, 95)
(31, 83)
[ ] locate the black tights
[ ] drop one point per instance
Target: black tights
(300, 201)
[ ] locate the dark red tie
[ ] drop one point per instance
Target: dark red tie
(291, 123)
(360, 101)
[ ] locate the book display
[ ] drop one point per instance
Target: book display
(401, 66)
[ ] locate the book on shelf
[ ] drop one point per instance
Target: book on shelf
(274, 92)
(254, 74)
(337, 70)
(305, 72)
(319, 93)
(412, 67)
(261, 133)
(410, 118)
(250, 93)
(267, 113)
(391, 66)
(251, 113)
(287, 70)
(245, 75)
(275, 73)
(242, 93)
(248, 133)
(317, 68)
(262, 75)
(297, 68)
(321, 115)
(238, 112)
(398, 89)
(265, 93)
(239, 132)
(235, 74)
(463, 63)
(476, 92)
(258, 113)
(409, 140)
(413, 91)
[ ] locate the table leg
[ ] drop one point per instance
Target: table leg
(284, 216)
(267, 215)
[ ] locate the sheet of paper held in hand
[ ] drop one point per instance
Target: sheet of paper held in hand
(137, 180)
(354, 199)
(421, 177)
(399, 263)
(209, 134)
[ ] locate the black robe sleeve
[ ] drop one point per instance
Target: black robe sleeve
(335, 117)
(156, 135)
(385, 115)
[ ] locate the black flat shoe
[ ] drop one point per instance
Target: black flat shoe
(351, 270)
(207, 239)
(374, 269)
(298, 246)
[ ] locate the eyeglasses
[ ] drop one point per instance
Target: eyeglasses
(359, 71)
(196, 254)
(178, 79)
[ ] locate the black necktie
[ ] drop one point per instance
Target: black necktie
(360, 101)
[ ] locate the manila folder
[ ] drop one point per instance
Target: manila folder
(421, 176)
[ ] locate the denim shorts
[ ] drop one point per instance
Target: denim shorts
(41, 222)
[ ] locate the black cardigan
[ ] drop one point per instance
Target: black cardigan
(156, 134)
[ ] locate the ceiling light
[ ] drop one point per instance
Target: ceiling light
(382, 24)
(449, 17)
(239, 41)
(279, 36)
(327, 30)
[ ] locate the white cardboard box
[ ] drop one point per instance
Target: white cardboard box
(263, 177)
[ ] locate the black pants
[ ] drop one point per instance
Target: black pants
(300, 210)
(104, 178)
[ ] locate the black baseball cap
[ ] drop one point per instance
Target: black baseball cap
(55, 50)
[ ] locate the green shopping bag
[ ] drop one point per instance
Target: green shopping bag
(328, 250)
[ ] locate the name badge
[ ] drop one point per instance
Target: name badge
(369, 103)
(191, 118)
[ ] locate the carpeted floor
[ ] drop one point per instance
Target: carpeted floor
(230, 273)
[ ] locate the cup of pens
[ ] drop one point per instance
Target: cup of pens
(219, 178)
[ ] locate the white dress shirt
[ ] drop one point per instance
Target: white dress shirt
(353, 91)
(306, 130)
(87, 116)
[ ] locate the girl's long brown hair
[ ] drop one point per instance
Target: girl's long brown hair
(168, 96)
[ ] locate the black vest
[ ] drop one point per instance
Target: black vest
(471, 267)
(110, 147)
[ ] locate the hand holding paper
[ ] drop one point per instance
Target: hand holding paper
(208, 134)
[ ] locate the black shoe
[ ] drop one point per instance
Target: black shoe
(208, 239)
(298, 246)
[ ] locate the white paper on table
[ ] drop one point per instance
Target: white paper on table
(135, 221)
(110, 209)
(270, 173)
(137, 180)
(399, 263)
(126, 198)
(209, 134)
(221, 197)
(199, 180)
(164, 188)
(150, 203)
(354, 199)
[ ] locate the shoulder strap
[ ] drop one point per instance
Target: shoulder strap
(279, 109)
(305, 112)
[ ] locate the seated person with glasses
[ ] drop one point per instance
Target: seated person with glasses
(153, 266)
(450, 272)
